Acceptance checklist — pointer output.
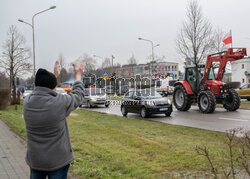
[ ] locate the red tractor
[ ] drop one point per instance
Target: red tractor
(202, 86)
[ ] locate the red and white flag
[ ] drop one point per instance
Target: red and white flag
(228, 38)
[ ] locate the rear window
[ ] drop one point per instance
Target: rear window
(94, 91)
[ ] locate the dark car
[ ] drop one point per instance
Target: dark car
(145, 102)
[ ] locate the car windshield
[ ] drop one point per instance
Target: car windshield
(148, 94)
(94, 91)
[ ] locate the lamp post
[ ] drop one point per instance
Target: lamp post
(33, 34)
(153, 46)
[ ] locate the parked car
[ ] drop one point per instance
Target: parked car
(26, 93)
(94, 97)
(244, 92)
(61, 91)
(145, 103)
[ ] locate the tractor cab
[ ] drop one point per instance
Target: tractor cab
(191, 77)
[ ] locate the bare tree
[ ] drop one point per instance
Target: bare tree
(106, 63)
(61, 60)
(217, 44)
(132, 59)
(89, 63)
(194, 38)
(15, 58)
(63, 76)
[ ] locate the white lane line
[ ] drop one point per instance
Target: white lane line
(231, 119)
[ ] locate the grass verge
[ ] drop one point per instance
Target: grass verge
(116, 98)
(111, 146)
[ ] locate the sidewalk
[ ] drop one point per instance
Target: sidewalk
(12, 153)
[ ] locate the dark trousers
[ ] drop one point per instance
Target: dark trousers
(57, 174)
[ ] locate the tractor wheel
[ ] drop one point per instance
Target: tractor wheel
(181, 99)
(232, 102)
(206, 101)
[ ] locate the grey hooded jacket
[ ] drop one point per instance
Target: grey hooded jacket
(48, 141)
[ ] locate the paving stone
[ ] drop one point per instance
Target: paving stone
(12, 153)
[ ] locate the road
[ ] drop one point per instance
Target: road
(221, 120)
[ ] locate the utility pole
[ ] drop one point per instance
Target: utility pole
(112, 59)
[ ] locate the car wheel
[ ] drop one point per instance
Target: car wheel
(124, 111)
(89, 105)
(106, 104)
(144, 113)
(168, 114)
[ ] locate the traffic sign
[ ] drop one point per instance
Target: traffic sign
(105, 73)
(106, 78)
(171, 74)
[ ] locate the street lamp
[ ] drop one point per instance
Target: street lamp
(33, 34)
(153, 46)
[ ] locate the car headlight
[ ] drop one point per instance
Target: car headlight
(150, 103)
(93, 98)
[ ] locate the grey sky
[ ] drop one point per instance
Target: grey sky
(105, 27)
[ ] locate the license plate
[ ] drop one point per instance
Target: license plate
(163, 109)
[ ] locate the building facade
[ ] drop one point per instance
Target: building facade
(167, 69)
(241, 71)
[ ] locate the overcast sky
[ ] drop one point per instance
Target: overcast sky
(106, 27)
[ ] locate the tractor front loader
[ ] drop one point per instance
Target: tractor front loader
(202, 86)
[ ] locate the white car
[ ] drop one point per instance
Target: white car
(26, 93)
(95, 97)
(60, 91)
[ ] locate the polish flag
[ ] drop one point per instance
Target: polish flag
(228, 38)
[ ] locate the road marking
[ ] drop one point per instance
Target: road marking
(231, 119)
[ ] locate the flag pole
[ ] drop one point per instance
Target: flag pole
(232, 38)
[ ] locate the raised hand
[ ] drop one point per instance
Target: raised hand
(56, 69)
(78, 70)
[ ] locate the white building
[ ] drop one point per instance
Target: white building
(241, 71)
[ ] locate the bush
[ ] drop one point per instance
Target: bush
(4, 98)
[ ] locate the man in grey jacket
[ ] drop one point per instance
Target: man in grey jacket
(49, 150)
